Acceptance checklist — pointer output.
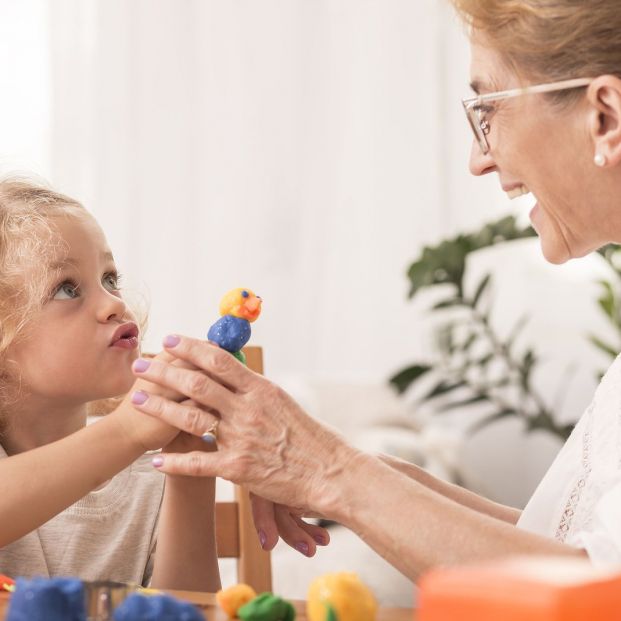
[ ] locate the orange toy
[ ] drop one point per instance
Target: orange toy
(522, 588)
(233, 598)
(6, 583)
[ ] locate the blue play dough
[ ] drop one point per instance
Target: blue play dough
(230, 333)
(43, 599)
(156, 608)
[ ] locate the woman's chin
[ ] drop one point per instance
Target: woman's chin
(555, 252)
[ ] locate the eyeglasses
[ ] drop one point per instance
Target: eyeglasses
(477, 110)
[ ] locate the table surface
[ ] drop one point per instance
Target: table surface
(207, 603)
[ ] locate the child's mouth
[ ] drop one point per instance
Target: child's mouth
(125, 336)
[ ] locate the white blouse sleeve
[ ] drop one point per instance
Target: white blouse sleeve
(601, 537)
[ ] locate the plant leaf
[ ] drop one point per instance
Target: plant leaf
(448, 303)
(528, 362)
(402, 380)
(463, 403)
(467, 344)
(491, 419)
(608, 349)
(515, 331)
(441, 388)
(480, 289)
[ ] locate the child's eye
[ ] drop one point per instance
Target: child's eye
(67, 290)
(112, 281)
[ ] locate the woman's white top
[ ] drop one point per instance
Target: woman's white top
(578, 502)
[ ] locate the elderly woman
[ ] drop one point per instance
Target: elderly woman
(546, 118)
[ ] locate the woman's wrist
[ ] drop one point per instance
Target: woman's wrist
(341, 480)
(357, 487)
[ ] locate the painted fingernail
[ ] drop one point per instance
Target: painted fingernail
(141, 365)
(158, 461)
(139, 397)
(171, 340)
(302, 547)
(319, 540)
(262, 538)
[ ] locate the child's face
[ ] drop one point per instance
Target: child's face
(80, 346)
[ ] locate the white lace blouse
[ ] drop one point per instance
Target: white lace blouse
(579, 499)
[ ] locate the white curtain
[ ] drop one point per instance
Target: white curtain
(305, 149)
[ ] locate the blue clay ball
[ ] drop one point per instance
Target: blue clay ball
(156, 608)
(47, 599)
(230, 333)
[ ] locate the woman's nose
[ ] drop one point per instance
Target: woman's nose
(110, 306)
(480, 164)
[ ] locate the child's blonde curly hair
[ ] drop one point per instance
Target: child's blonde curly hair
(27, 238)
(26, 208)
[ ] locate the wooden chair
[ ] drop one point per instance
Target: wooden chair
(236, 535)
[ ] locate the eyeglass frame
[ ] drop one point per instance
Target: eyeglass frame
(480, 127)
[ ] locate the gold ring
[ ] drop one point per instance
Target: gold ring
(211, 434)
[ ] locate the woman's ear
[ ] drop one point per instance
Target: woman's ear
(604, 97)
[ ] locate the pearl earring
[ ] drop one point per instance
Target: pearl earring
(599, 160)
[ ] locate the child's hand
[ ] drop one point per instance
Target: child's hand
(148, 432)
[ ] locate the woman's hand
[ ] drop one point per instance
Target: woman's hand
(185, 442)
(265, 440)
(143, 430)
(274, 521)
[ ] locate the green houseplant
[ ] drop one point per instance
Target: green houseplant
(475, 365)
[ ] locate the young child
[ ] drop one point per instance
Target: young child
(75, 499)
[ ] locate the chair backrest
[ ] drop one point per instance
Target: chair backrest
(236, 535)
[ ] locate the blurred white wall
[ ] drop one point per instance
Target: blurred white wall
(25, 84)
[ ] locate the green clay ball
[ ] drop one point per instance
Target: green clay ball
(267, 607)
(240, 355)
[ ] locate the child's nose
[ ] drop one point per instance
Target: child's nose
(110, 306)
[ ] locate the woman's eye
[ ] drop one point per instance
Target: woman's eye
(112, 281)
(484, 110)
(66, 291)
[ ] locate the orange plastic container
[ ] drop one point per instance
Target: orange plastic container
(522, 589)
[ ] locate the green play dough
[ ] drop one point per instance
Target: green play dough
(240, 355)
(267, 607)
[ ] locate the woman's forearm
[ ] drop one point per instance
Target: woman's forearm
(415, 528)
(454, 492)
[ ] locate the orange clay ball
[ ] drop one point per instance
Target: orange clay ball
(233, 598)
(341, 596)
